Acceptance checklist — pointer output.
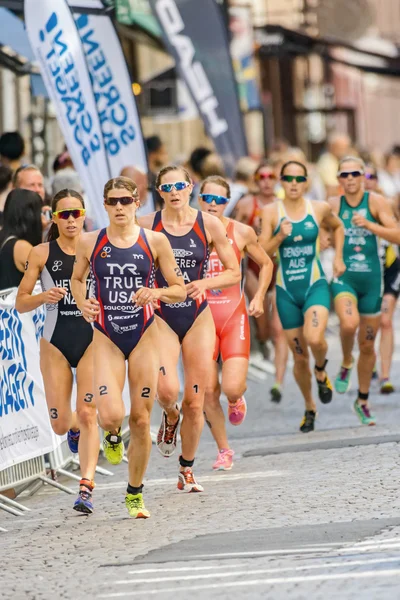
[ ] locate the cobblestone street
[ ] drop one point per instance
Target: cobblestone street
(300, 516)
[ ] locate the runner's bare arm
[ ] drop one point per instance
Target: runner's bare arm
(331, 222)
(269, 218)
(176, 290)
(254, 249)
(231, 274)
(89, 307)
(382, 210)
(25, 302)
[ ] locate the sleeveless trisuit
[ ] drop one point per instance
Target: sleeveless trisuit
(228, 308)
(191, 254)
(363, 276)
(117, 275)
(64, 326)
(300, 281)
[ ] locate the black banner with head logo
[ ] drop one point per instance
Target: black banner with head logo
(196, 36)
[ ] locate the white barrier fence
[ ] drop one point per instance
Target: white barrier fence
(27, 441)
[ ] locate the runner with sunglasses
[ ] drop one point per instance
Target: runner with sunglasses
(357, 294)
(122, 258)
(67, 337)
(268, 326)
(391, 290)
(188, 325)
(291, 229)
(228, 308)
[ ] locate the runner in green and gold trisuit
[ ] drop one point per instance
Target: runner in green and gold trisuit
(291, 228)
(358, 292)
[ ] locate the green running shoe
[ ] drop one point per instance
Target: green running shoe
(363, 413)
(113, 447)
(342, 381)
(135, 505)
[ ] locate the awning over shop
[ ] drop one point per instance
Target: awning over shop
(274, 40)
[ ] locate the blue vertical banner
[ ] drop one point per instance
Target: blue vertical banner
(195, 35)
(57, 46)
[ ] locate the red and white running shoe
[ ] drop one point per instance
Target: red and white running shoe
(187, 482)
(167, 435)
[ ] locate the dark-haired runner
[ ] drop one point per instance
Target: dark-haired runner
(67, 337)
(291, 229)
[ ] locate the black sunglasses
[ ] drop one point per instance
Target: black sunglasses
(124, 201)
(345, 174)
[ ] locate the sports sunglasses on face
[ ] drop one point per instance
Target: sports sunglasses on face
(345, 174)
(291, 178)
(217, 199)
(67, 212)
(265, 176)
(371, 176)
(124, 201)
(178, 185)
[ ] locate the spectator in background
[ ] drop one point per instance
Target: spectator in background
(22, 229)
(12, 148)
(389, 176)
(62, 161)
(157, 157)
(195, 162)
(339, 145)
(5, 188)
(29, 177)
(243, 182)
(142, 182)
(66, 178)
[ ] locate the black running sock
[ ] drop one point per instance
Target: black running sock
(363, 397)
(185, 463)
(134, 490)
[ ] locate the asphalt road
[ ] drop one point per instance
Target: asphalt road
(312, 516)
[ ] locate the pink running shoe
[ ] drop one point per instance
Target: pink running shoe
(237, 412)
(224, 460)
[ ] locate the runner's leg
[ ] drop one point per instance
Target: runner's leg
(143, 371)
(387, 335)
(280, 343)
(109, 381)
(197, 354)
(168, 380)
(89, 442)
(301, 370)
(369, 327)
(346, 310)
(57, 380)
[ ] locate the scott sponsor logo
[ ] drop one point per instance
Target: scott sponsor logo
(181, 252)
(196, 77)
